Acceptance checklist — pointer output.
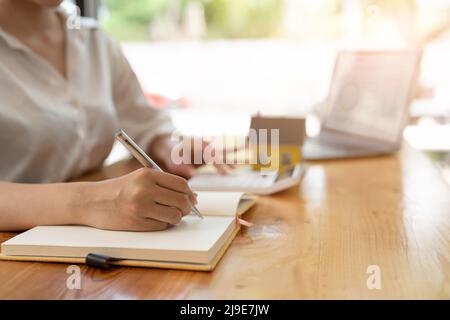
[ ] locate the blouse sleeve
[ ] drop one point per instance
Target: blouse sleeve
(140, 120)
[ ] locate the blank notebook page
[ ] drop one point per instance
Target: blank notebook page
(218, 203)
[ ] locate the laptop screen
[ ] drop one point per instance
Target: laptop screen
(370, 93)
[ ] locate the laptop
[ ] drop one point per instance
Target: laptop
(367, 107)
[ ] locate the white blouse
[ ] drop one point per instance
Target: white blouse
(53, 128)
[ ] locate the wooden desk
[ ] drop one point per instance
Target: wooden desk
(313, 241)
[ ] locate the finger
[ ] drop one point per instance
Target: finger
(194, 198)
(172, 198)
(227, 148)
(147, 224)
(185, 170)
(166, 214)
(221, 169)
(172, 182)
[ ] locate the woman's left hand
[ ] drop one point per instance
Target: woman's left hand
(161, 150)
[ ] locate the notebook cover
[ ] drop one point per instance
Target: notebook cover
(136, 263)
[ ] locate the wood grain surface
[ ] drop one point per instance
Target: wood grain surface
(312, 241)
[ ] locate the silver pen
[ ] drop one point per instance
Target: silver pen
(142, 157)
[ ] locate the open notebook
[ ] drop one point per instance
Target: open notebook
(195, 244)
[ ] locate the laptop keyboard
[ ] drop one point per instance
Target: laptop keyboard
(248, 180)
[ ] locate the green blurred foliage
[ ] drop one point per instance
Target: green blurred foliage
(319, 19)
(129, 20)
(137, 11)
(242, 18)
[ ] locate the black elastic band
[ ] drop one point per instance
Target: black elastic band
(99, 261)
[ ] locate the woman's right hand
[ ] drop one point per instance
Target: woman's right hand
(144, 200)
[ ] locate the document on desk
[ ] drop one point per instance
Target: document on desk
(193, 244)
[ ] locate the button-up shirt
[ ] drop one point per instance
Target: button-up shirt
(53, 127)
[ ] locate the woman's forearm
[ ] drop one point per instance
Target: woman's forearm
(143, 200)
(23, 206)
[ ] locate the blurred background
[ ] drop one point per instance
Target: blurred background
(222, 60)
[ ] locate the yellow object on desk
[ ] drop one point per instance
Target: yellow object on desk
(276, 142)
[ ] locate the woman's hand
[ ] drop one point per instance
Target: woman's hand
(161, 149)
(144, 200)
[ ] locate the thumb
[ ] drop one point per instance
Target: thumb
(186, 171)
